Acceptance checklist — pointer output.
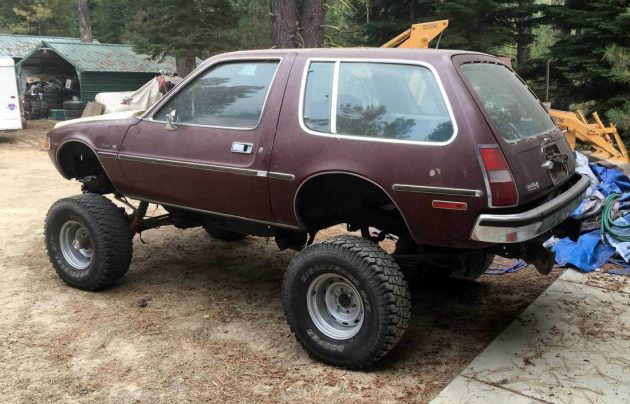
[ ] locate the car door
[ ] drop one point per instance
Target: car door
(215, 156)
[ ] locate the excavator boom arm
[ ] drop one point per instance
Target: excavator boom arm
(418, 36)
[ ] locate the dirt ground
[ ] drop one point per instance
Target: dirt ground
(212, 328)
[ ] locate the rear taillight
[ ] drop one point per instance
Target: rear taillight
(500, 182)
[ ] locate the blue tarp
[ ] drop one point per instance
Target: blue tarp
(611, 180)
(589, 252)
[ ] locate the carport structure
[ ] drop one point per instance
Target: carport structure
(99, 67)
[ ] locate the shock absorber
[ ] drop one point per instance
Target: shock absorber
(138, 215)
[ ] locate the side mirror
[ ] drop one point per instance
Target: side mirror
(171, 117)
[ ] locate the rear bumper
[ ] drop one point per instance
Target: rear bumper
(519, 227)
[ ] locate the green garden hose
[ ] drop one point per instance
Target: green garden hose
(606, 226)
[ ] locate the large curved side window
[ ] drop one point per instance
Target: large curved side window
(377, 100)
(230, 95)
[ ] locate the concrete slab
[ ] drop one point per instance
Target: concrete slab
(599, 280)
(464, 390)
(572, 345)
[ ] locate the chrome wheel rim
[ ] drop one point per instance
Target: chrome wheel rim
(335, 306)
(75, 244)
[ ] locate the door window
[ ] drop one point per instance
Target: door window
(230, 95)
(377, 100)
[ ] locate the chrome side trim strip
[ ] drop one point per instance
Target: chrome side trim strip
(108, 155)
(437, 190)
(193, 165)
(281, 176)
(209, 212)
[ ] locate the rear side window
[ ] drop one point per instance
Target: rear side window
(376, 100)
(514, 110)
(229, 95)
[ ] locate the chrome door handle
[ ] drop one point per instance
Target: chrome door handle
(244, 148)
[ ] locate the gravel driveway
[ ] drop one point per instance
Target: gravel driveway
(198, 320)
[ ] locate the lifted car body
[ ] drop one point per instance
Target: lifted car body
(446, 151)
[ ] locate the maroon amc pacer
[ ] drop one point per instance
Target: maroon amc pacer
(446, 152)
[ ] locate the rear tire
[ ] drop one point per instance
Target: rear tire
(224, 235)
(346, 301)
(88, 241)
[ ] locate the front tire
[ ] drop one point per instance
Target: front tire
(88, 241)
(346, 301)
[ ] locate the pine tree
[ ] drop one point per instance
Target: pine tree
(110, 19)
(579, 69)
(38, 17)
(297, 23)
(184, 28)
(478, 25)
(619, 59)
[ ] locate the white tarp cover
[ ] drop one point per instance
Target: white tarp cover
(107, 117)
(139, 100)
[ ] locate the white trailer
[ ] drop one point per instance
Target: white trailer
(10, 115)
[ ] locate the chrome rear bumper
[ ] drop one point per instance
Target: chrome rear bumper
(518, 227)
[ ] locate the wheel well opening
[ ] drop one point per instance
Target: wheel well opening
(77, 160)
(330, 199)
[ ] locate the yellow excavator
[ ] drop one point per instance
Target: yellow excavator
(603, 141)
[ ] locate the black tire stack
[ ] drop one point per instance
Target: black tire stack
(73, 109)
(35, 109)
(54, 98)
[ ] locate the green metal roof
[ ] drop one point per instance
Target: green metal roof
(97, 57)
(18, 46)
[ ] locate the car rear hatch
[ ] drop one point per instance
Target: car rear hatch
(537, 153)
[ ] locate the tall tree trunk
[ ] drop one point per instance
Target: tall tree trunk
(185, 63)
(523, 45)
(312, 23)
(284, 23)
(85, 25)
(524, 38)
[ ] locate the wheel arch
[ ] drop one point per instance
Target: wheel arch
(303, 191)
(66, 153)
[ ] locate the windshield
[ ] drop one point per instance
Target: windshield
(511, 106)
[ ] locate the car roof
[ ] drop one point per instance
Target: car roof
(428, 55)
